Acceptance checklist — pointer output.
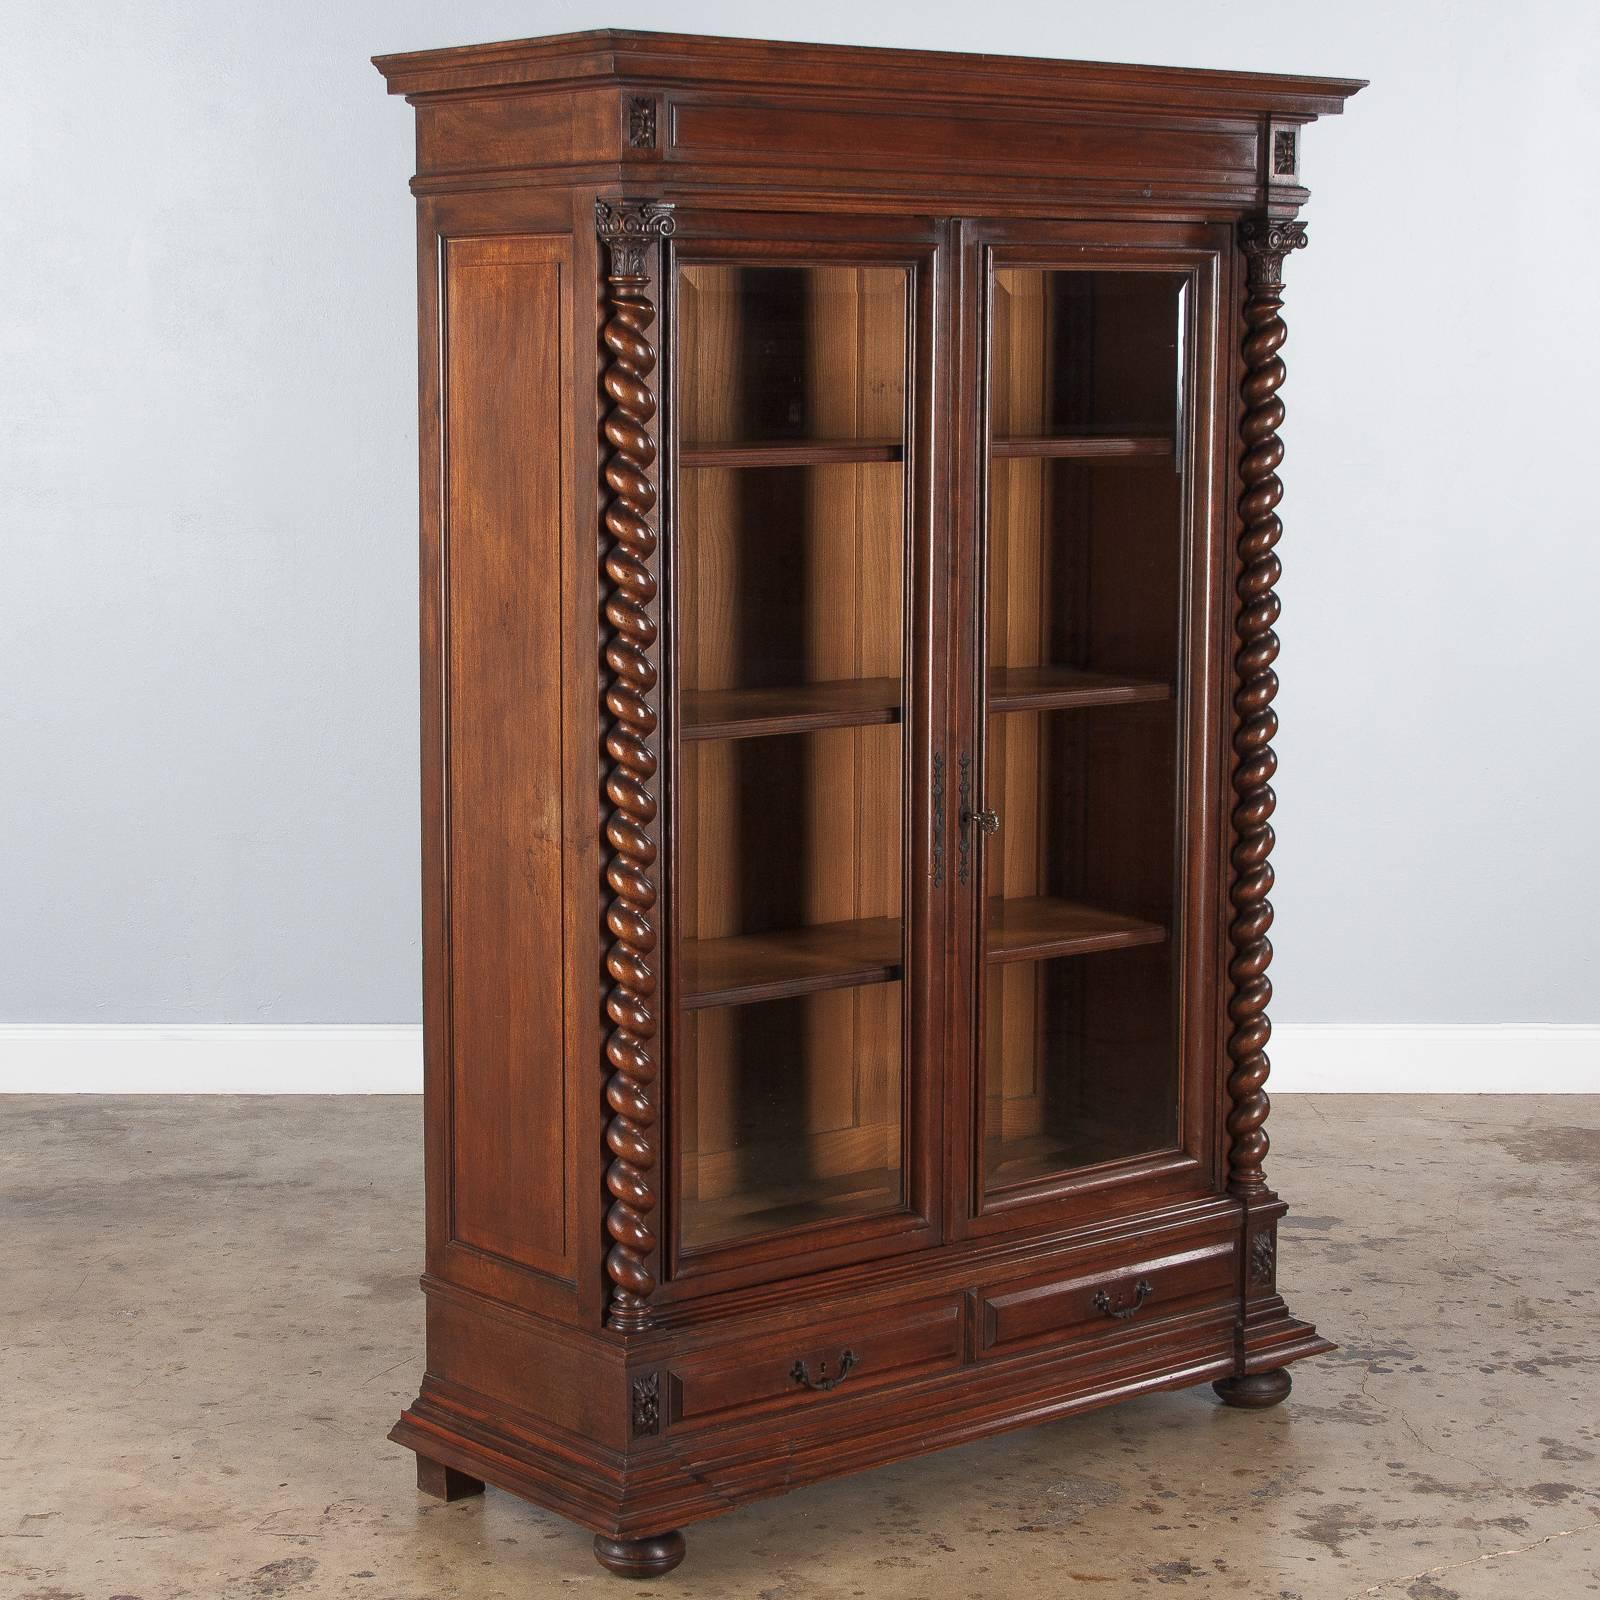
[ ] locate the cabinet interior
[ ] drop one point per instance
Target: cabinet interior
(790, 625)
(1082, 659)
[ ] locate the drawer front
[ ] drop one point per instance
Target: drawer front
(814, 1364)
(1109, 1300)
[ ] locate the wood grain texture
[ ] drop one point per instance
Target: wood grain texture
(1042, 926)
(614, 53)
(750, 967)
(760, 1378)
(1079, 1306)
(506, 504)
(791, 453)
(1053, 688)
(875, 476)
(1082, 447)
(789, 708)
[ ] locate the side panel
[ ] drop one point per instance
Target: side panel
(507, 509)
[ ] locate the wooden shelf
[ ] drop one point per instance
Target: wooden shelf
(773, 966)
(793, 708)
(757, 1209)
(1052, 688)
(790, 452)
(1082, 446)
(1036, 929)
(1012, 1160)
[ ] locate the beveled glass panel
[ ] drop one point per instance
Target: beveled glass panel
(1084, 566)
(790, 584)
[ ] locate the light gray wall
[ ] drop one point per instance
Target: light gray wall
(207, 468)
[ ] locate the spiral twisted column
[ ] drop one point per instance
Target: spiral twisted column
(630, 587)
(1265, 243)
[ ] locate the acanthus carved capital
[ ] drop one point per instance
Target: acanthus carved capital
(1265, 242)
(629, 228)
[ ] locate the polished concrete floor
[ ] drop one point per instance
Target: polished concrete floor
(209, 1317)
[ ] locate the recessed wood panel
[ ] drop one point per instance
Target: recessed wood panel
(1218, 151)
(518, 131)
(507, 499)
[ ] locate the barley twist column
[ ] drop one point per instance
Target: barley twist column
(630, 586)
(1265, 243)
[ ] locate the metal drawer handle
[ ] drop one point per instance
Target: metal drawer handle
(847, 1360)
(1142, 1291)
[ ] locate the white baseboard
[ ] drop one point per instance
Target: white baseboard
(214, 1058)
(1435, 1058)
(227, 1058)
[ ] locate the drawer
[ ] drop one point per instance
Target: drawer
(1110, 1299)
(813, 1364)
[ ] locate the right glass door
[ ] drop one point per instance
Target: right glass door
(1076, 825)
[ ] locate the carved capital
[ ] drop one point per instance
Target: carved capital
(1265, 242)
(630, 228)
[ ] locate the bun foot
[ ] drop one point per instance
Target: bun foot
(640, 1558)
(445, 1483)
(1256, 1391)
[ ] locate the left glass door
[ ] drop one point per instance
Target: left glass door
(794, 579)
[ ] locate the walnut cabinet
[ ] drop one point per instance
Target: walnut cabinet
(848, 524)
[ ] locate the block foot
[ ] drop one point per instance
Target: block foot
(445, 1483)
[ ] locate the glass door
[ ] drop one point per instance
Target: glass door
(1076, 821)
(795, 581)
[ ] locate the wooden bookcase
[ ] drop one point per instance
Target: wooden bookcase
(848, 487)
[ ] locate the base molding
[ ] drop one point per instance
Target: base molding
(672, 1481)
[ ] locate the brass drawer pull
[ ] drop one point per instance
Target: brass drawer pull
(1142, 1291)
(847, 1360)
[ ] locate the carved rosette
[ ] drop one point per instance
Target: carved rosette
(1265, 242)
(1264, 1259)
(646, 1392)
(630, 231)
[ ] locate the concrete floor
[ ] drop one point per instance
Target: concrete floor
(210, 1319)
